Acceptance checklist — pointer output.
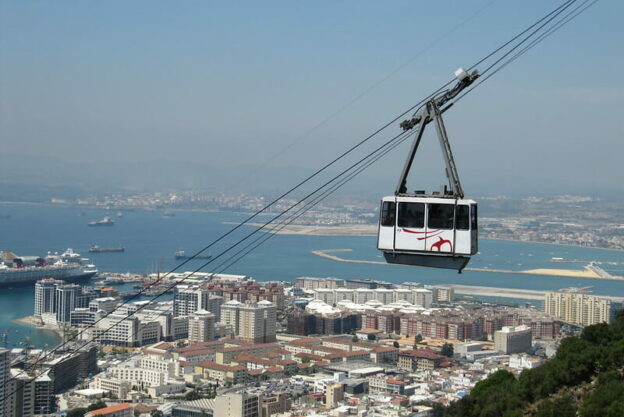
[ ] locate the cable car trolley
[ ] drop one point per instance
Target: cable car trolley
(439, 229)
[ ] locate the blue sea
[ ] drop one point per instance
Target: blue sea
(151, 239)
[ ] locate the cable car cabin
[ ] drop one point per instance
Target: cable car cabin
(428, 231)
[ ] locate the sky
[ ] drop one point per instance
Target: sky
(257, 95)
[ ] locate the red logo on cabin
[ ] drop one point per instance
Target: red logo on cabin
(438, 245)
(427, 234)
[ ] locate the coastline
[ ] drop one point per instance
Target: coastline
(310, 230)
(35, 322)
(320, 230)
(554, 244)
(585, 273)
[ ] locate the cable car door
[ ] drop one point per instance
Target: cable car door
(387, 224)
(411, 231)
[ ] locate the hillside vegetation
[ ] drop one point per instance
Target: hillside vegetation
(584, 379)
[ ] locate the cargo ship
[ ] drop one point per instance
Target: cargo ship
(106, 221)
(97, 249)
(24, 271)
(182, 255)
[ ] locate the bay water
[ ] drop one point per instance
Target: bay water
(150, 240)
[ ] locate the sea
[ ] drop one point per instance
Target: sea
(151, 238)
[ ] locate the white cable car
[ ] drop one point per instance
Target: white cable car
(428, 231)
(440, 229)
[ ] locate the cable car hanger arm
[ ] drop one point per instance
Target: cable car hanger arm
(427, 113)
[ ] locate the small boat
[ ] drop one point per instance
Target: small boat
(97, 249)
(106, 221)
(182, 255)
(169, 213)
(119, 214)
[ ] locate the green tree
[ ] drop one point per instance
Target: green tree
(372, 337)
(354, 339)
(395, 344)
(305, 359)
(557, 407)
(96, 405)
(76, 412)
(418, 338)
(157, 413)
(447, 350)
(193, 395)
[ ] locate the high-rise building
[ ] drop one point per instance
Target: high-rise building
(278, 402)
(201, 326)
(19, 395)
(4, 377)
(45, 295)
(334, 393)
(513, 339)
(579, 309)
(187, 299)
(237, 405)
(251, 322)
(213, 305)
(422, 297)
(66, 300)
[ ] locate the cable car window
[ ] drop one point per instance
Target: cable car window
(473, 218)
(441, 216)
(411, 215)
(388, 212)
(462, 219)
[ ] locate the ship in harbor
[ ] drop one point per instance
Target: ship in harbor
(98, 249)
(106, 221)
(182, 255)
(24, 271)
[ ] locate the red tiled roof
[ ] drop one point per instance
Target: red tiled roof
(249, 347)
(111, 409)
(395, 381)
(219, 367)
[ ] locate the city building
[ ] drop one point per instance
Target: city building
(187, 299)
(5, 367)
(334, 393)
(66, 301)
(255, 323)
(235, 404)
(45, 295)
(201, 326)
(579, 309)
(510, 340)
(419, 360)
(278, 402)
(19, 395)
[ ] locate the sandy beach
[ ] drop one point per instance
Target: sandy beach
(34, 321)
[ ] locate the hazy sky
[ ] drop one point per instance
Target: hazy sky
(190, 92)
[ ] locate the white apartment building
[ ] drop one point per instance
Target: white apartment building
(579, 309)
(254, 323)
(201, 326)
